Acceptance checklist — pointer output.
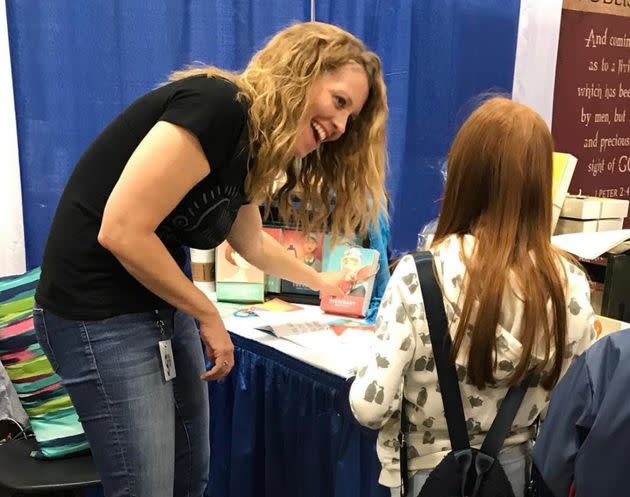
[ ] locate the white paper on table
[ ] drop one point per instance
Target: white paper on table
(590, 245)
(340, 355)
(318, 335)
(347, 351)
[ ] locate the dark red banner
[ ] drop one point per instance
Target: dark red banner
(591, 119)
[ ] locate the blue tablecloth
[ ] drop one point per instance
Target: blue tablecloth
(279, 427)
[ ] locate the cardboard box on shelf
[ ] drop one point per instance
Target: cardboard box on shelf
(580, 207)
(566, 225)
(614, 207)
(609, 224)
(584, 207)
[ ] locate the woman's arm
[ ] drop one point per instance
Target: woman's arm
(248, 239)
(162, 170)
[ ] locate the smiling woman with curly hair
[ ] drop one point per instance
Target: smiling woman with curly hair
(344, 178)
(187, 165)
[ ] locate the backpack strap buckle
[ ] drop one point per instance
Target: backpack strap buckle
(483, 463)
(464, 458)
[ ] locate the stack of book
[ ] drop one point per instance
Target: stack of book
(581, 214)
(236, 279)
(239, 281)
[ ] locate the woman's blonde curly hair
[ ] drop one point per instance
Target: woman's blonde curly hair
(340, 185)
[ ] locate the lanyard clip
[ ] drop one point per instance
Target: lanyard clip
(160, 323)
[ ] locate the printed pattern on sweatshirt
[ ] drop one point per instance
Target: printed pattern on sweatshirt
(404, 348)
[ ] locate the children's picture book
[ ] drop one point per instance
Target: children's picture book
(358, 267)
(236, 279)
(563, 168)
(272, 283)
(307, 248)
(347, 350)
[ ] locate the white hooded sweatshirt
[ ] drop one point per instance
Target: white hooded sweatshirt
(404, 349)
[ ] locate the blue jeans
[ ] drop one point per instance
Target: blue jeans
(149, 437)
(515, 459)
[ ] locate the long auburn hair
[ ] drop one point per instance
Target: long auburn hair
(342, 183)
(499, 189)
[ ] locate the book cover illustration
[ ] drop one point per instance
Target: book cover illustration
(308, 248)
(236, 279)
(358, 267)
(276, 305)
(349, 326)
(272, 283)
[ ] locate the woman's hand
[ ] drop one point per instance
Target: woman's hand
(330, 283)
(260, 249)
(219, 347)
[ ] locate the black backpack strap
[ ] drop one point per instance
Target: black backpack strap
(402, 440)
(449, 388)
(498, 431)
(502, 423)
(441, 343)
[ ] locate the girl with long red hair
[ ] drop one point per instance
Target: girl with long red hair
(515, 304)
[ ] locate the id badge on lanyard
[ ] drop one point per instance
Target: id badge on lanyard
(166, 351)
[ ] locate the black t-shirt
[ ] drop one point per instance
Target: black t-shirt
(81, 279)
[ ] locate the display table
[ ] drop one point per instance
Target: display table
(282, 427)
(337, 355)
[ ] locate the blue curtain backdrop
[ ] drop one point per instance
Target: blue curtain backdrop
(438, 55)
(77, 64)
(300, 410)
